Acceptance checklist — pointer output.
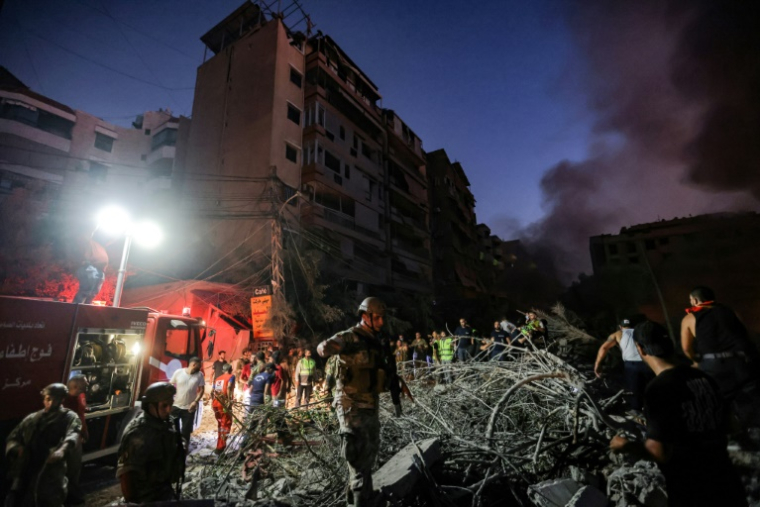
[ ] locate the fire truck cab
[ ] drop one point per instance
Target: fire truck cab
(120, 351)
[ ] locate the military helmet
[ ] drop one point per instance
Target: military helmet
(57, 391)
(372, 305)
(159, 391)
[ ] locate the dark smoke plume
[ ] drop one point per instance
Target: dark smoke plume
(675, 89)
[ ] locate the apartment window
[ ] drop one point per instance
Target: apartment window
(332, 162)
(368, 152)
(294, 114)
(103, 142)
(147, 132)
(295, 77)
(30, 115)
(291, 153)
(20, 112)
(347, 171)
(167, 137)
(329, 135)
(287, 193)
(342, 133)
(613, 249)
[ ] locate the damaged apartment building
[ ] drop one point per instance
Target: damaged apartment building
(286, 126)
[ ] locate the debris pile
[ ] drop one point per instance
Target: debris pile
(479, 433)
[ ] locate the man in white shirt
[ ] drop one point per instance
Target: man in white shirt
(190, 388)
(636, 374)
(507, 325)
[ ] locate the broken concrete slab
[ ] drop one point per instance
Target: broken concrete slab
(642, 481)
(584, 477)
(553, 492)
(397, 478)
(588, 496)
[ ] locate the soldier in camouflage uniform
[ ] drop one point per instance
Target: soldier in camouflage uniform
(365, 368)
(151, 455)
(36, 450)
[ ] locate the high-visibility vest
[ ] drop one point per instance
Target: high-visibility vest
(306, 366)
(446, 348)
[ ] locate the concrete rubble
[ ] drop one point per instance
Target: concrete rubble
(398, 477)
(553, 492)
(640, 484)
(588, 496)
(529, 430)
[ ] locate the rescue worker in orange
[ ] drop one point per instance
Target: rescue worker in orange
(222, 394)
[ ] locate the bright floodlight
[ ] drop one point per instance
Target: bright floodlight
(113, 220)
(147, 234)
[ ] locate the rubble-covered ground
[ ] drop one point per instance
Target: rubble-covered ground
(531, 430)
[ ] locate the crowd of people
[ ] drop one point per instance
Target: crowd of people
(687, 407)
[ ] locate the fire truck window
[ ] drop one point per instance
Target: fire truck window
(177, 338)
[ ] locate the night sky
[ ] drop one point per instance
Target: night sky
(543, 102)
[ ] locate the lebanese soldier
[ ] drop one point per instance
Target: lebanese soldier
(151, 456)
(365, 368)
(37, 449)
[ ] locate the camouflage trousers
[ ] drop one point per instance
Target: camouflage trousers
(360, 435)
(43, 487)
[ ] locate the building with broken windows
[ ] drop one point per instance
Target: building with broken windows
(277, 112)
(673, 256)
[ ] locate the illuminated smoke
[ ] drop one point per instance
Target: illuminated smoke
(675, 90)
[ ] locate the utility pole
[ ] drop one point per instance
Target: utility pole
(278, 279)
(279, 317)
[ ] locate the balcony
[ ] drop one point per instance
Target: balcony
(324, 217)
(34, 134)
(161, 155)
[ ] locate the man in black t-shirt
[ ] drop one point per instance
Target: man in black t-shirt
(686, 423)
(499, 342)
(464, 340)
(219, 364)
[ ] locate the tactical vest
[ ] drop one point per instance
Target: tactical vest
(361, 374)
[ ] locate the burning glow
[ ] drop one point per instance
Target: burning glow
(136, 349)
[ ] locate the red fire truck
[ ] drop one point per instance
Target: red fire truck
(120, 351)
